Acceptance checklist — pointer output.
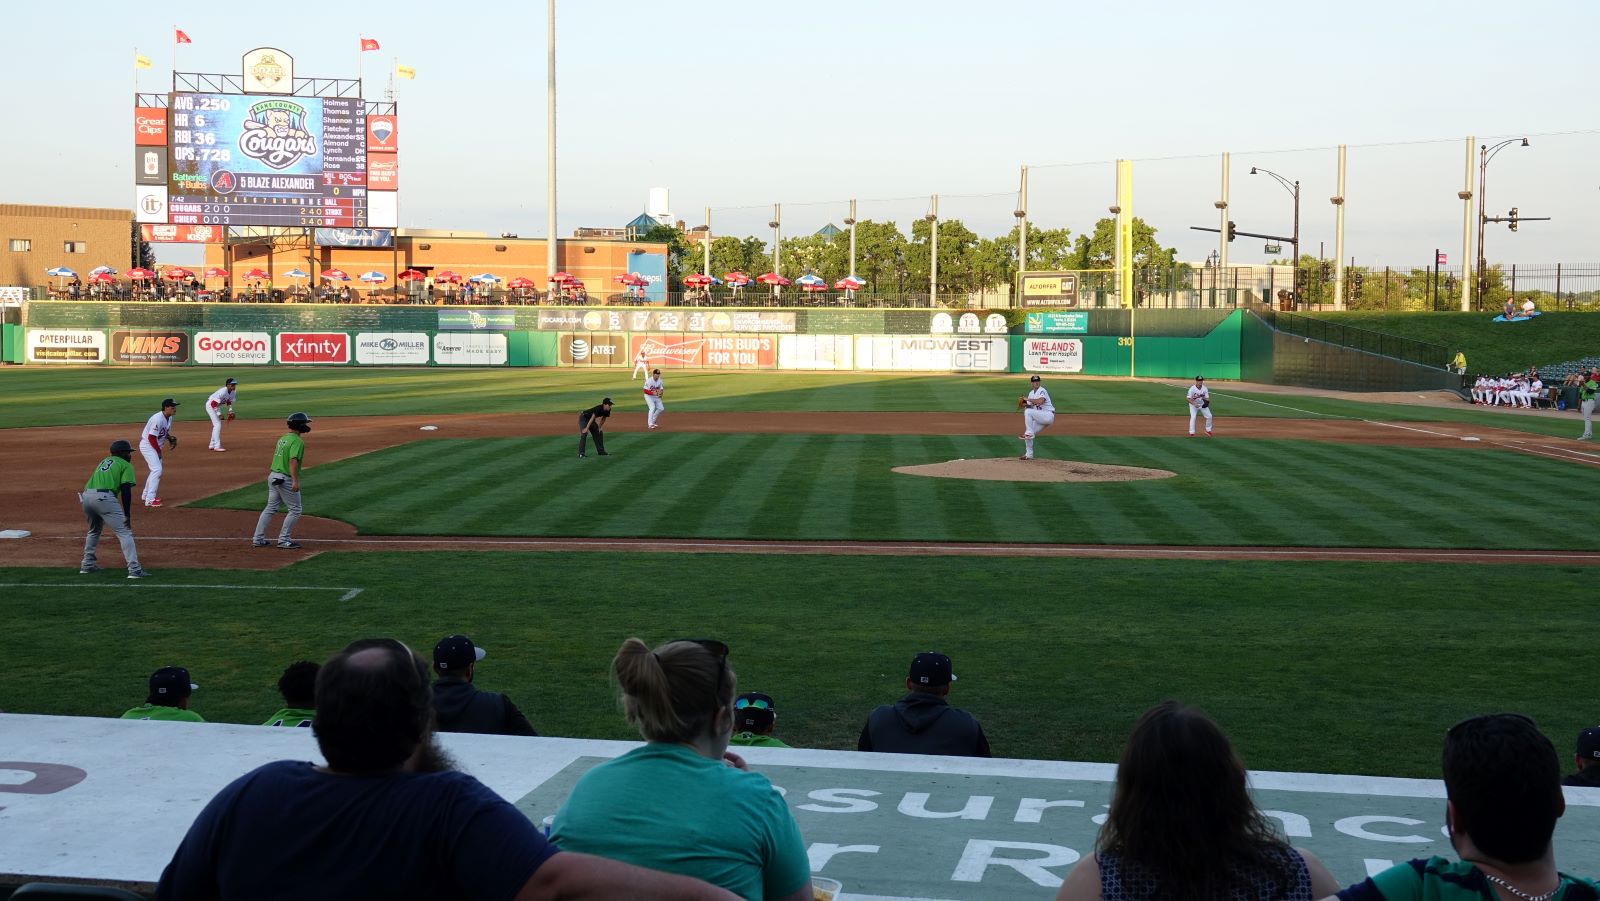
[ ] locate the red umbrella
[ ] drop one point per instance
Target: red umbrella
(573, 284)
(139, 274)
(697, 280)
(214, 272)
(411, 275)
(627, 278)
(813, 288)
(102, 277)
(562, 277)
(736, 278)
(336, 274)
(520, 282)
(446, 276)
(849, 283)
(772, 278)
(177, 272)
(254, 274)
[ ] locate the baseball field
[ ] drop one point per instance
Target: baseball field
(1335, 578)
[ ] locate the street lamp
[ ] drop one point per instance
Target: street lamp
(1294, 191)
(1485, 154)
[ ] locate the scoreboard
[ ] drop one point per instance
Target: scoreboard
(243, 159)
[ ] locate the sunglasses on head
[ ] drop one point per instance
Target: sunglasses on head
(748, 703)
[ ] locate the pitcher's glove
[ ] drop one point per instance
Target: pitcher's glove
(1022, 402)
(230, 416)
(172, 441)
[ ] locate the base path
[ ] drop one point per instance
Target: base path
(47, 466)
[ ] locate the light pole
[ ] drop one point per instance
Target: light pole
(1485, 154)
(1293, 187)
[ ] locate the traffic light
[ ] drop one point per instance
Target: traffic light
(1301, 277)
(1326, 269)
(1513, 218)
(1233, 230)
(1356, 279)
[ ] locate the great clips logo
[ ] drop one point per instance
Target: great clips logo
(275, 133)
(313, 347)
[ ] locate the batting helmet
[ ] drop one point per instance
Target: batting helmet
(300, 422)
(121, 449)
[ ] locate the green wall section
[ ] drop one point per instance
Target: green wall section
(10, 343)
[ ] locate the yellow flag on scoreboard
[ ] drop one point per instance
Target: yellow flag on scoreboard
(141, 62)
(405, 71)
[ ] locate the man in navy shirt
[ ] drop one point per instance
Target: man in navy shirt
(387, 817)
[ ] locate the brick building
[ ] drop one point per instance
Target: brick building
(37, 238)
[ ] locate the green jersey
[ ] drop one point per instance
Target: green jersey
(291, 716)
(1587, 389)
(752, 740)
(290, 447)
(112, 473)
(160, 712)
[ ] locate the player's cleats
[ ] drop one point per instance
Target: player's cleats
(259, 543)
(85, 570)
(153, 503)
(139, 574)
(289, 545)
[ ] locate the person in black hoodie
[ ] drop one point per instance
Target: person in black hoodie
(923, 722)
(458, 705)
(1588, 760)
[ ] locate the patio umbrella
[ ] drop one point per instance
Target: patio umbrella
(772, 278)
(61, 272)
(139, 274)
(103, 277)
(737, 279)
(850, 283)
(809, 281)
(101, 269)
(562, 277)
(374, 276)
(814, 288)
(520, 282)
(446, 276)
(214, 272)
(254, 275)
(411, 275)
(177, 272)
(485, 277)
(696, 280)
(334, 274)
(626, 278)
(292, 273)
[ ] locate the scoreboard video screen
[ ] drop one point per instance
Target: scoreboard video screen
(242, 159)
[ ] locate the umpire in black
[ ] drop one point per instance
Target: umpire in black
(593, 422)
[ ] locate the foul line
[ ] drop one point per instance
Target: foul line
(349, 593)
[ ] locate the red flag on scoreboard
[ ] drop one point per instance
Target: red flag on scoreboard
(179, 37)
(368, 44)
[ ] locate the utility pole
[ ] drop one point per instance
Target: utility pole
(1466, 229)
(933, 248)
(1222, 215)
(851, 221)
(1338, 238)
(550, 267)
(708, 245)
(1021, 213)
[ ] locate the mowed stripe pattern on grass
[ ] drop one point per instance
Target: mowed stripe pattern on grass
(1294, 493)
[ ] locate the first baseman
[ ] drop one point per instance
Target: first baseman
(1037, 414)
(107, 498)
(1199, 398)
(222, 397)
(283, 483)
(652, 396)
(641, 364)
(593, 422)
(157, 430)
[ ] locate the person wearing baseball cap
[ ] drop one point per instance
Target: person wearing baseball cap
(923, 722)
(458, 705)
(157, 431)
(222, 397)
(755, 716)
(592, 423)
(168, 700)
(1588, 760)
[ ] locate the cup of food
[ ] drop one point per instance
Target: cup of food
(825, 889)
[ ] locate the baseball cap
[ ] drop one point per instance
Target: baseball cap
(1589, 743)
(456, 652)
(169, 402)
(605, 400)
(231, 382)
(170, 683)
(753, 711)
(1199, 378)
(931, 668)
(1034, 379)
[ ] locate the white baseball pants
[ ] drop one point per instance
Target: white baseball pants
(216, 426)
(152, 482)
(1034, 420)
(656, 407)
(1193, 409)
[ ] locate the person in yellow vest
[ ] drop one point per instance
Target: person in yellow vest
(1460, 362)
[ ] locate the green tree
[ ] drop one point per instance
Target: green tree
(747, 255)
(881, 256)
(1098, 250)
(827, 258)
(683, 253)
(957, 244)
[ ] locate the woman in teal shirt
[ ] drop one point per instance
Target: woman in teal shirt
(682, 803)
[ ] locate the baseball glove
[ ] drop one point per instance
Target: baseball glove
(172, 441)
(1022, 402)
(1205, 404)
(230, 416)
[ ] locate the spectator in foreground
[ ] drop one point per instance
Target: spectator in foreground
(1182, 825)
(168, 700)
(755, 716)
(1502, 785)
(458, 705)
(387, 817)
(682, 802)
(298, 685)
(1587, 758)
(923, 722)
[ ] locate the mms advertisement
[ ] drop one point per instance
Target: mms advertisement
(239, 159)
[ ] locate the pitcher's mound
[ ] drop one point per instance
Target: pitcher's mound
(1011, 469)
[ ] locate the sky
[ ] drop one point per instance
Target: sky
(737, 106)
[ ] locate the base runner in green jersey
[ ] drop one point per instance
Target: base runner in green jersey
(107, 498)
(283, 483)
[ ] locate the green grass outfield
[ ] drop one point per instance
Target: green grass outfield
(1057, 657)
(47, 396)
(766, 486)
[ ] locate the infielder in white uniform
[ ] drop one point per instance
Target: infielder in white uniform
(157, 430)
(222, 397)
(1199, 398)
(652, 396)
(1037, 414)
(641, 365)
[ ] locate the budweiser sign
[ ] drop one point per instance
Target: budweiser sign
(680, 352)
(314, 347)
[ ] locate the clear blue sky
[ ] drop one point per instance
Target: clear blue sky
(737, 105)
